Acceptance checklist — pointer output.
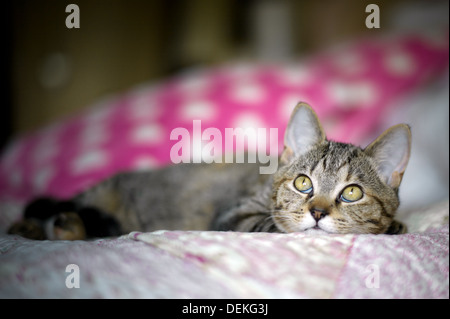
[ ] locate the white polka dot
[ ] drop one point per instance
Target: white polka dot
(240, 70)
(94, 135)
(144, 163)
(89, 161)
(294, 76)
(143, 106)
(42, 178)
(247, 92)
(352, 95)
(350, 63)
(248, 120)
(399, 63)
(198, 110)
(148, 133)
(250, 123)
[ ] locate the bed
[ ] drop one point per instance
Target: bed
(357, 90)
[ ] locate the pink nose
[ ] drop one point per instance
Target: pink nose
(318, 213)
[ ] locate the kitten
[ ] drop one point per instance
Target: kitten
(321, 186)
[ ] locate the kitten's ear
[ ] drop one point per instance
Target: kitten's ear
(302, 133)
(391, 151)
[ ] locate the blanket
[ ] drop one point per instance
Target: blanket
(200, 264)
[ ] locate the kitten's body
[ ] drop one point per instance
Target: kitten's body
(320, 186)
(182, 196)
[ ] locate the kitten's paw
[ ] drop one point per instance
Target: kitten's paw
(396, 228)
(68, 226)
(28, 228)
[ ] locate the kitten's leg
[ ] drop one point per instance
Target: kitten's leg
(99, 223)
(28, 228)
(109, 199)
(44, 208)
(396, 228)
(37, 214)
(66, 226)
(48, 218)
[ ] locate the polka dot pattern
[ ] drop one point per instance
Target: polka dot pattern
(349, 88)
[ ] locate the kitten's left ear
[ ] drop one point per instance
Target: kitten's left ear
(391, 151)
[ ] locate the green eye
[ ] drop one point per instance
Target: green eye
(303, 184)
(351, 193)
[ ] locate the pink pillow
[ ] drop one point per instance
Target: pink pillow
(349, 88)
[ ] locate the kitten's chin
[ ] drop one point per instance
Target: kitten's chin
(315, 231)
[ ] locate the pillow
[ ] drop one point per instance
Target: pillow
(349, 87)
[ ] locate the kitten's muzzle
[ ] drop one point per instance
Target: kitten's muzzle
(318, 213)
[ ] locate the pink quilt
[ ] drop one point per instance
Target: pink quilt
(173, 264)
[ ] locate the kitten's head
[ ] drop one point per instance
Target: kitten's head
(334, 187)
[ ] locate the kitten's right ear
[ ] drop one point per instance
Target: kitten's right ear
(391, 151)
(302, 133)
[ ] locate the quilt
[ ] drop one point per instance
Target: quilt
(199, 264)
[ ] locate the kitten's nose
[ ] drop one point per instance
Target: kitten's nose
(318, 213)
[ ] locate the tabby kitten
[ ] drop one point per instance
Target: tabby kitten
(321, 186)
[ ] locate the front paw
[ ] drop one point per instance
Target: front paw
(28, 228)
(68, 226)
(396, 228)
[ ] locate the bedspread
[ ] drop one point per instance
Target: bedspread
(196, 264)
